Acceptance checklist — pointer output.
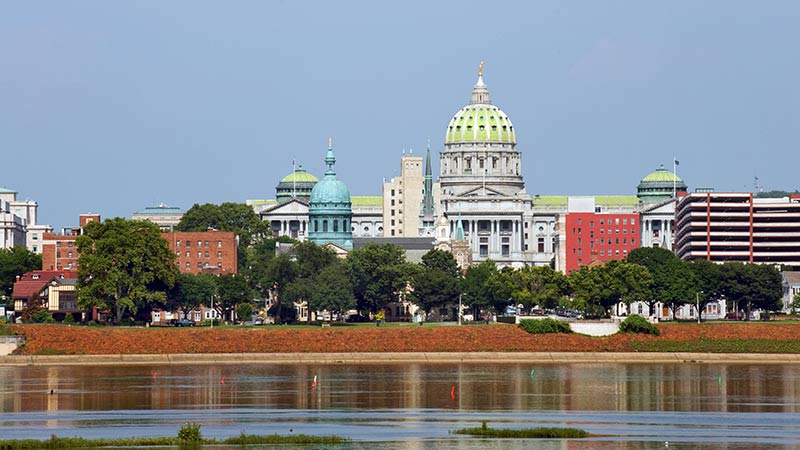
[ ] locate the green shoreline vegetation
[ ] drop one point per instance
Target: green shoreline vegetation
(525, 433)
(244, 439)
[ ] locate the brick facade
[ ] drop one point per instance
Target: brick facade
(204, 251)
(599, 237)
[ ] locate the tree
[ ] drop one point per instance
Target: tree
(434, 288)
(124, 266)
(477, 292)
(596, 289)
(14, 262)
(312, 258)
(540, 285)
(333, 291)
(500, 287)
(378, 272)
(191, 290)
(673, 280)
(281, 272)
(232, 290)
(710, 283)
(752, 285)
(244, 311)
(259, 256)
(441, 260)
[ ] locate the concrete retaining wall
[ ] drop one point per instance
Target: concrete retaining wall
(399, 358)
(10, 343)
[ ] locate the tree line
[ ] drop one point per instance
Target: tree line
(126, 268)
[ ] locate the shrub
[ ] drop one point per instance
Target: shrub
(637, 324)
(69, 319)
(42, 316)
(546, 325)
(190, 433)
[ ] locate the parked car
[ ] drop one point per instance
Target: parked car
(183, 322)
(735, 316)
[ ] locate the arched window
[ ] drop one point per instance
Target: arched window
(324, 226)
(335, 226)
(316, 225)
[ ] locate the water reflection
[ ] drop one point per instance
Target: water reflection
(416, 404)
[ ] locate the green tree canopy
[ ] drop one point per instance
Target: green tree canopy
(191, 290)
(540, 286)
(674, 283)
(441, 260)
(378, 272)
(124, 265)
(233, 289)
(710, 282)
(596, 289)
(332, 291)
(14, 262)
(477, 291)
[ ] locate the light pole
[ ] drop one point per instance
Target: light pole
(212, 311)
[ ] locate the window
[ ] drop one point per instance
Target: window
(624, 220)
(199, 265)
(199, 254)
(188, 255)
(188, 266)
(69, 255)
(69, 244)
(540, 245)
(219, 243)
(591, 224)
(591, 234)
(35, 236)
(178, 253)
(616, 221)
(206, 255)
(199, 243)
(324, 226)
(506, 250)
(602, 252)
(205, 244)
(188, 244)
(58, 244)
(579, 221)
(633, 221)
(58, 254)
(335, 226)
(484, 250)
(178, 243)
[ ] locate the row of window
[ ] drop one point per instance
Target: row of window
(69, 244)
(200, 265)
(608, 241)
(604, 230)
(199, 254)
(614, 252)
(616, 221)
(199, 243)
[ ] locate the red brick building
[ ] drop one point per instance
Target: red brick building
(599, 236)
(58, 250)
(204, 251)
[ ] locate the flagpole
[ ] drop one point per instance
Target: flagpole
(294, 180)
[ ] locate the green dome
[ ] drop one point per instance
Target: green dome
(480, 123)
(659, 186)
(299, 176)
(661, 175)
(330, 192)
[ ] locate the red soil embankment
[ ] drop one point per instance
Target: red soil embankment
(77, 340)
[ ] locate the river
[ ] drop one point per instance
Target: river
(414, 406)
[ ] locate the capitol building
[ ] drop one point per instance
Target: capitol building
(479, 204)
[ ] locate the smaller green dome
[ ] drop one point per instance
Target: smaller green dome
(299, 176)
(661, 175)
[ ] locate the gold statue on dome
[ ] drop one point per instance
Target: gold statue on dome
(480, 69)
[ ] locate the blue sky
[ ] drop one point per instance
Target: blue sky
(110, 107)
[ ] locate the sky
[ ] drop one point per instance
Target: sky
(110, 107)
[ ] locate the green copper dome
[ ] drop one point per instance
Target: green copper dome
(330, 192)
(662, 174)
(299, 176)
(659, 186)
(480, 121)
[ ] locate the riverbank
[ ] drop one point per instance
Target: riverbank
(220, 359)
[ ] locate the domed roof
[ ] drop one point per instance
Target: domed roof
(329, 189)
(661, 175)
(299, 176)
(480, 121)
